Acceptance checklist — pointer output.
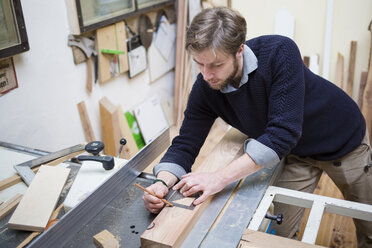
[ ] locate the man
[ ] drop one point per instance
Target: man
(262, 88)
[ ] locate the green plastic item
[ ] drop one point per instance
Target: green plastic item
(110, 51)
(135, 129)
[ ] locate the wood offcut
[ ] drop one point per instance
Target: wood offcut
(36, 206)
(115, 127)
(105, 239)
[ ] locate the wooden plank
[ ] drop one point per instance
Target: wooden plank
(180, 56)
(111, 37)
(85, 121)
(89, 82)
(362, 86)
(33, 235)
(258, 239)
(115, 127)
(105, 239)
(9, 205)
(339, 80)
(367, 98)
(181, 220)
(36, 207)
(307, 61)
(351, 71)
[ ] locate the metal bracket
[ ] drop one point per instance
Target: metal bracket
(318, 204)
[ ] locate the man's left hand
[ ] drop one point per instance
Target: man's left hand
(207, 183)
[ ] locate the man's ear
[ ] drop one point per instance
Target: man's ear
(240, 51)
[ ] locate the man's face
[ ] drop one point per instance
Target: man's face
(217, 68)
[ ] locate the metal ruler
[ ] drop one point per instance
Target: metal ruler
(24, 169)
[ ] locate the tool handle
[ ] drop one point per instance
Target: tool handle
(148, 191)
(107, 161)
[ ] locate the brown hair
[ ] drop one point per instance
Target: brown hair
(218, 28)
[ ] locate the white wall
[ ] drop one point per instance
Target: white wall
(350, 22)
(42, 112)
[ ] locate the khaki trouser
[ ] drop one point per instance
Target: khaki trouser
(351, 175)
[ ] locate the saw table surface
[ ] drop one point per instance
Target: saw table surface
(125, 216)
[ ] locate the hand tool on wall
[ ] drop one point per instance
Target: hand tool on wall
(86, 45)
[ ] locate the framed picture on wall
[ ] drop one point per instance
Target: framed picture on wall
(8, 78)
(13, 36)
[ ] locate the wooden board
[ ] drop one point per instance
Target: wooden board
(40, 199)
(362, 86)
(367, 98)
(111, 37)
(256, 239)
(339, 80)
(351, 71)
(182, 220)
(105, 239)
(180, 56)
(85, 121)
(115, 127)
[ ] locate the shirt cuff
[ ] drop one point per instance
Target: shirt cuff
(261, 154)
(173, 168)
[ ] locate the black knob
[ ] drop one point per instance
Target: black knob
(278, 218)
(94, 147)
(123, 141)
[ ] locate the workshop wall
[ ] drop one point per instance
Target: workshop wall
(350, 22)
(42, 112)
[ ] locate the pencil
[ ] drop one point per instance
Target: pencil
(163, 200)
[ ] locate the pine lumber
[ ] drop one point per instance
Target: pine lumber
(115, 127)
(307, 61)
(40, 199)
(362, 86)
(85, 121)
(89, 82)
(9, 205)
(105, 239)
(111, 37)
(367, 98)
(351, 70)
(339, 80)
(258, 239)
(180, 58)
(172, 225)
(35, 234)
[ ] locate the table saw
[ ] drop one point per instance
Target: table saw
(117, 206)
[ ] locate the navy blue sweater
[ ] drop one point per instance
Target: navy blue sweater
(283, 106)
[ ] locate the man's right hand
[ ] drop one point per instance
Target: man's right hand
(153, 204)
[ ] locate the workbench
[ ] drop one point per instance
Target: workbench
(117, 206)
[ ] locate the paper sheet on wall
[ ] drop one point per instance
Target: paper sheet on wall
(161, 53)
(150, 118)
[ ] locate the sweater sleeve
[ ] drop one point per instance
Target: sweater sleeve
(286, 99)
(195, 127)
